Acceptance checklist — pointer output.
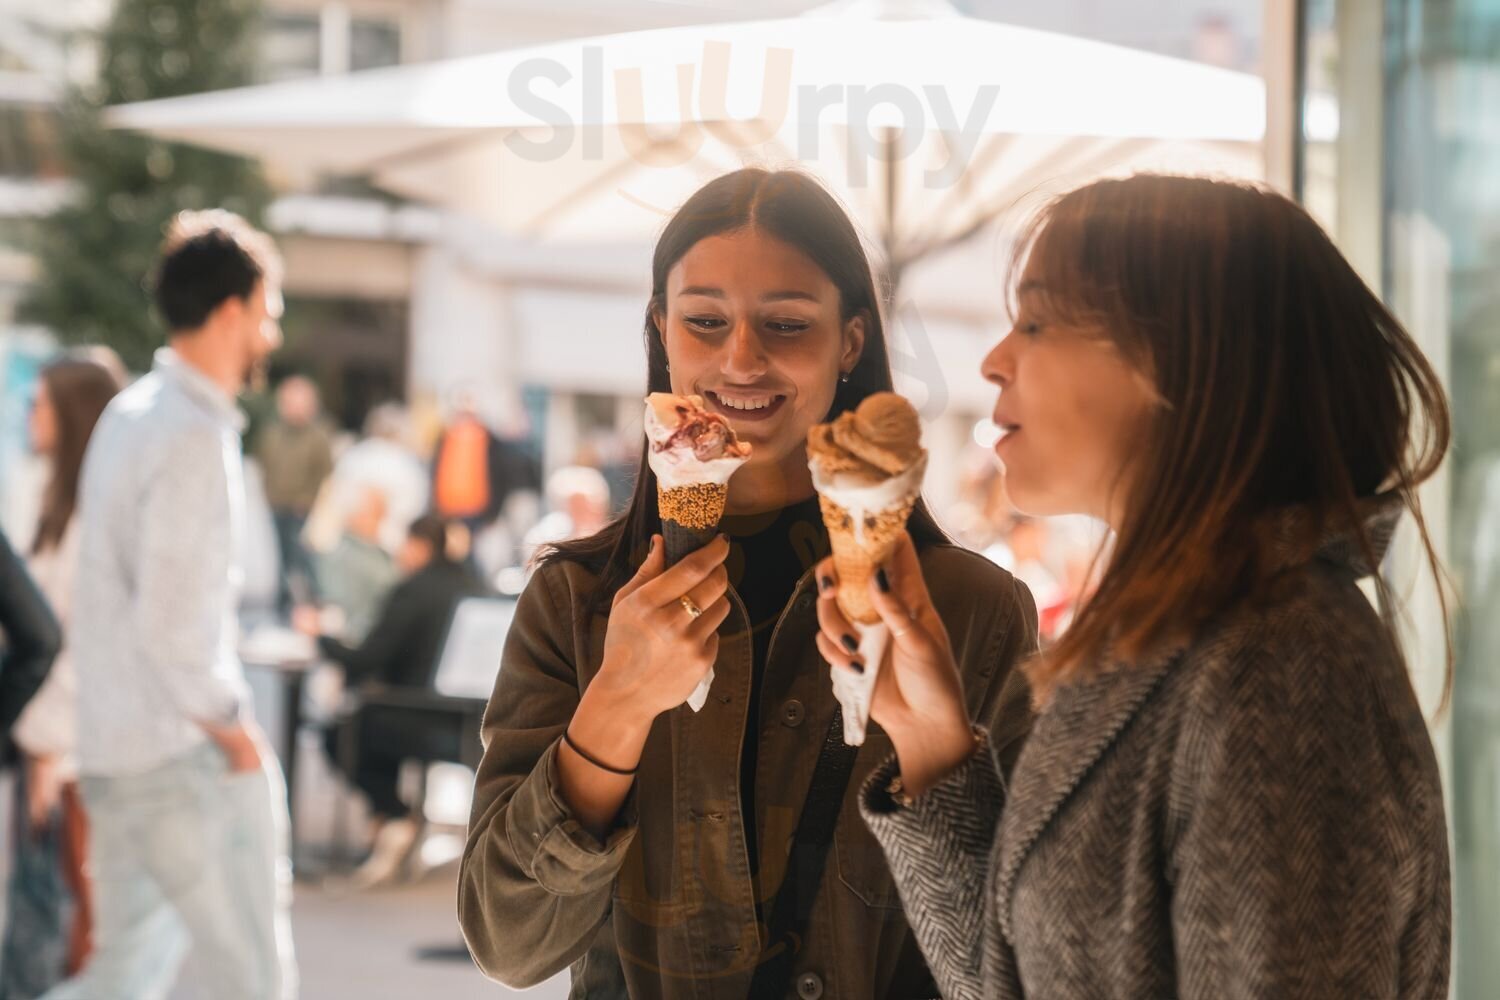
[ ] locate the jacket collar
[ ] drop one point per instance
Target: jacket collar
(198, 387)
(1292, 536)
(1085, 719)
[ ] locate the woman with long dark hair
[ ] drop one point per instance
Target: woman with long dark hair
(666, 853)
(49, 909)
(1230, 790)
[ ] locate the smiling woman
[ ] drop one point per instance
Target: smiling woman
(763, 303)
(657, 850)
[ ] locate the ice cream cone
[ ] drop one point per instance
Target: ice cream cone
(859, 550)
(693, 453)
(867, 467)
(690, 516)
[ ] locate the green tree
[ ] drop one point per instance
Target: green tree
(94, 255)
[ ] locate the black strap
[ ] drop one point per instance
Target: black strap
(792, 908)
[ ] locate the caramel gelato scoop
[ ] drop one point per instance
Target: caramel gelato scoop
(880, 439)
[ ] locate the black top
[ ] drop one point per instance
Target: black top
(768, 554)
(406, 642)
(32, 637)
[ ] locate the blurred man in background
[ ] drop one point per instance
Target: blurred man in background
(490, 484)
(295, 453)
(188, 807)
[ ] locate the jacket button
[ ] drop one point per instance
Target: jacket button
(809, 986)
(792, 713)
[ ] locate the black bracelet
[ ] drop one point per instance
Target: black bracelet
(568, 739)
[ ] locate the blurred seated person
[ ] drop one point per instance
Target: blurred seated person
(358, 573)
(577, 504)
(402, 651)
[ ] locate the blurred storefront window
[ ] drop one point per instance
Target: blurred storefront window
(326, 40)
(374, 43)
(291, 47)
(28, 141)
(355, 349)
(1401, 159)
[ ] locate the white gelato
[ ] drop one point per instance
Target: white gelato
(678, 464)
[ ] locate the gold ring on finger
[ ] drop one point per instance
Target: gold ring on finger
(690, 606)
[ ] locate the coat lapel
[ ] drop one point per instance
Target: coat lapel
(1066, 741)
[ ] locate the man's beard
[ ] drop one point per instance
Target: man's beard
(257, 375)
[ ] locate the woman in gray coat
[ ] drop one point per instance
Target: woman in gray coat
(1229, 790)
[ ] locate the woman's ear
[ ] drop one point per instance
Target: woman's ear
(854, 341)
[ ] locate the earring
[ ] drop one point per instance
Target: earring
(843, 377)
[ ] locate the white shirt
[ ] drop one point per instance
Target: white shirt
(161, 515)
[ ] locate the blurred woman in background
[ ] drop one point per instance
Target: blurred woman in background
(49, 912)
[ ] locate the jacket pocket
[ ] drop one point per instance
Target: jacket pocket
(861, 863)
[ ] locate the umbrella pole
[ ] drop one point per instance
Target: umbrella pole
(892, 177)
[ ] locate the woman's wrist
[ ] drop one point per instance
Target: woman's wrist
(927, 752)
(610, 727)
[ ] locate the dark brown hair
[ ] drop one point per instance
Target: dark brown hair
(1283, 380)
(795, 209)
(448, 539)
(207, 257)
(79, 389)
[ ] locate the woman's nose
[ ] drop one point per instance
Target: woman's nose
(998, 366)
(744, 360)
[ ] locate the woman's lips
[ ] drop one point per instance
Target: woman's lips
(734, 413)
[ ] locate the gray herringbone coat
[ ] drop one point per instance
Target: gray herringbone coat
(1257, 815)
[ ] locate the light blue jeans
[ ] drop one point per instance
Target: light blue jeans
(189, 854)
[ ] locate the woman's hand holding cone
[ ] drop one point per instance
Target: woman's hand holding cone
(655, 651)
(918, 698)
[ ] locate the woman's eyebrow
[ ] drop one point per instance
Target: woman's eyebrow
(790, 294)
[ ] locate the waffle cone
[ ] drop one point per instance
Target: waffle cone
(690, 517)
(859, 550)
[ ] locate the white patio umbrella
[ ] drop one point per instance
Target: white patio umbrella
(924, 122)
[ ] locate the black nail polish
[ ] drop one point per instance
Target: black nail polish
(856, 666)
(882, 581)
(826, 583)
(849, 643)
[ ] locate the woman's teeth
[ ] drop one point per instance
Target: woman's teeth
(745, 404)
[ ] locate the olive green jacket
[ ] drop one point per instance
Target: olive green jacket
(665, 907)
